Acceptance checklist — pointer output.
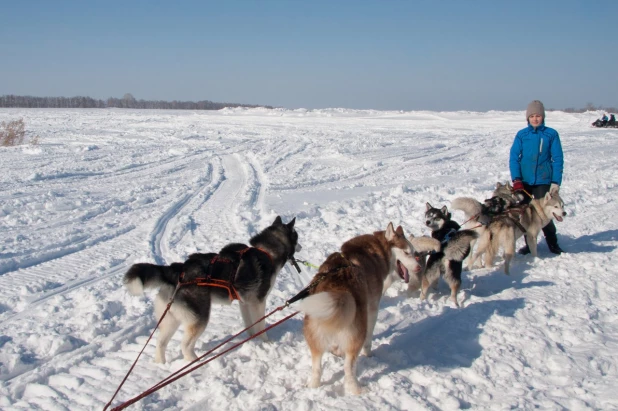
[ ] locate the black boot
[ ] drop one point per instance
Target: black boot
(525, 250)
(555, 248)
(552, 239)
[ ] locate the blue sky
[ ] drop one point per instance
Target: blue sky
(388, 55)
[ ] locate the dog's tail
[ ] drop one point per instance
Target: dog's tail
(142, 276)
(424, 244)
(468, 205)
(334, 308)
(458, 247)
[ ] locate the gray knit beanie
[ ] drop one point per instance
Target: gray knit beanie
(535, 107)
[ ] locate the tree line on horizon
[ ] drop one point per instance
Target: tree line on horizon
(128, 101)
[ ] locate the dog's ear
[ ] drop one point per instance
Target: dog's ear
(444, 210)
(498, 185)
(509, 186)
(390, 232)
(277, 221)
(428, 207)
(399, 231)
(548, 196)
(291, 223)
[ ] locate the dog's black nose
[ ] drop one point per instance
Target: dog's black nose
(427, 222)
(564, 213)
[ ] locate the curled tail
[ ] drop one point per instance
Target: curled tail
(142, 276)
(334, 308)
(468, 205)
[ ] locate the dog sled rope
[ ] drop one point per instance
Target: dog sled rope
(184, 371)
(307, 264)
(181, 372)
(144, 347)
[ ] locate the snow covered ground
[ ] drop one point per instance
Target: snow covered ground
(109, 188)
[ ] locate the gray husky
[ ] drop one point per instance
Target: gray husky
(530, 219)
(236, 272)
(454, 248)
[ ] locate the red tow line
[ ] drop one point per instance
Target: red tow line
(179, 374)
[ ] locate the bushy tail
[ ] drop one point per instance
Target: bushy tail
(424, 244)
(468, 205)
(142, 276)
(336, 309)
(458, 247)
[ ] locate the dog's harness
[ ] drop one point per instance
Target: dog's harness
(513, 213)
(448, 236)
(228, 285)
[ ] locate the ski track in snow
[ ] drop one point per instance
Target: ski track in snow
(115, 187)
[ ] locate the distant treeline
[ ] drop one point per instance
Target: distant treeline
(589, 107)
(128, 101)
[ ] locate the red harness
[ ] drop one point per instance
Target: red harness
(208, 281)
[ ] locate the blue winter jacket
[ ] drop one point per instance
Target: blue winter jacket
(536, 156)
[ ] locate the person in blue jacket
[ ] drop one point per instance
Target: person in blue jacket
(536, 164)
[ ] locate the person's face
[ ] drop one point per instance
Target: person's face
(535, 120)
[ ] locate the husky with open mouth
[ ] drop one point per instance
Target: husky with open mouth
(342, 300)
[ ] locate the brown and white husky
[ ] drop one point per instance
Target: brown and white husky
(343, 298)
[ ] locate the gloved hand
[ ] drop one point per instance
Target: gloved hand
(518, 185)
(554, 188)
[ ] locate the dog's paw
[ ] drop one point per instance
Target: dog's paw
(367, 351)
(313, 383)
(190, 357)
(159, 359)
(352, 388)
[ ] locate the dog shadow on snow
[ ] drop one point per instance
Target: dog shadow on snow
(586, 243)
(445, 341)
(496, 281)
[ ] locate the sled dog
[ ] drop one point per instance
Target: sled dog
(504, 230)
(455, 245)
(477, 215)
(251, 272)
(341, 308)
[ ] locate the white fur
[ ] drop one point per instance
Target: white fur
(135, 287)
(321, 305)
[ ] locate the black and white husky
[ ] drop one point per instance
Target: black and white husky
(238, 271)
(454, 248)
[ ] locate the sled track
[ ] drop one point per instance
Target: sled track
(238, 186)
(80, 265)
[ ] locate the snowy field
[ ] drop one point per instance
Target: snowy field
(109, 188)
